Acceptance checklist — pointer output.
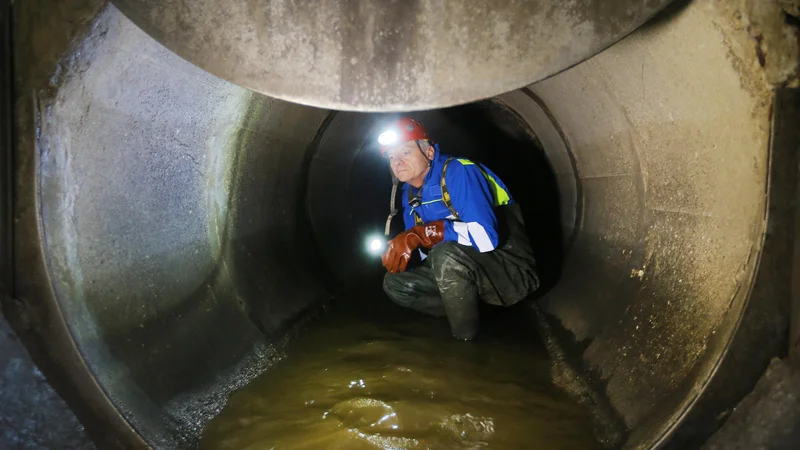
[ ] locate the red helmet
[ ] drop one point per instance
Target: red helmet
(401, 131)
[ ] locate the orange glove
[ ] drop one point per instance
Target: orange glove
(399, 250)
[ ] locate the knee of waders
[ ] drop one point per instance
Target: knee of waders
(446, 253)
(398, 290)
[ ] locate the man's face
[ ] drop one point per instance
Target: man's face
(408, 163)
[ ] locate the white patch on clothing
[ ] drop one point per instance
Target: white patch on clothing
(480, 237)
(462, 230)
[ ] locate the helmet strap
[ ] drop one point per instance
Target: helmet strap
(420, 148)
(423, 152)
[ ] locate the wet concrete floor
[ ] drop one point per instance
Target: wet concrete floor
(371, 375)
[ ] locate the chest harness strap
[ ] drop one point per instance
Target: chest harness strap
(415, 201)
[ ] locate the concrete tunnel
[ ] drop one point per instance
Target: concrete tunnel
(172, 230)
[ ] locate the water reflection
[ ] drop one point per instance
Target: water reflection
(375, 376)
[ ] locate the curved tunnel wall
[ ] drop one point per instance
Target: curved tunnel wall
(169, 203)
(171, 211)
(671, 144)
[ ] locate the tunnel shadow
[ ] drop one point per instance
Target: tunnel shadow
(487, 132)
(183, 348)
(490, 133)
(666, 15)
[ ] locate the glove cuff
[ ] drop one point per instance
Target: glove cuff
(431, 233)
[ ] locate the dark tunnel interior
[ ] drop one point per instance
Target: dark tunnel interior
(487, 132)
(171, 234)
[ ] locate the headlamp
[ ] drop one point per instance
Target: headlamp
(387, 137)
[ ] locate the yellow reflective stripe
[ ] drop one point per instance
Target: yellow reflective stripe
(501, 196)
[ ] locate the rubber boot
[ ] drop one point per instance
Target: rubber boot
(461, 305)
(458, 288)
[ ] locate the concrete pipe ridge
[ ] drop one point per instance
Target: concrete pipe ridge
(387, 55)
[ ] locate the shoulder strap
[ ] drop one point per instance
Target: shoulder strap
(445, 196)
(445, 192)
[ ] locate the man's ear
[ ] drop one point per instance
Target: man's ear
(431, 152)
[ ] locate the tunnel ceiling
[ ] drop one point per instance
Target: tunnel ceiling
(387, 56)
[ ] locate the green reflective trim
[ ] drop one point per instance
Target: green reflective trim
(501, 196)
(431, 201)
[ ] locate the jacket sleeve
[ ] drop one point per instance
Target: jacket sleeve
(471, 196)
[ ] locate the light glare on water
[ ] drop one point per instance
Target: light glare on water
(388, 378)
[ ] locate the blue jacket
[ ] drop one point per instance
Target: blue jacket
(473, 193)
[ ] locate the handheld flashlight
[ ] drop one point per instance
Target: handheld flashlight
(376, 245)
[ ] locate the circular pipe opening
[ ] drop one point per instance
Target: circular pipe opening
(171, 229)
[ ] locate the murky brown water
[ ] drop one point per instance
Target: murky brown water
(385, 378)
